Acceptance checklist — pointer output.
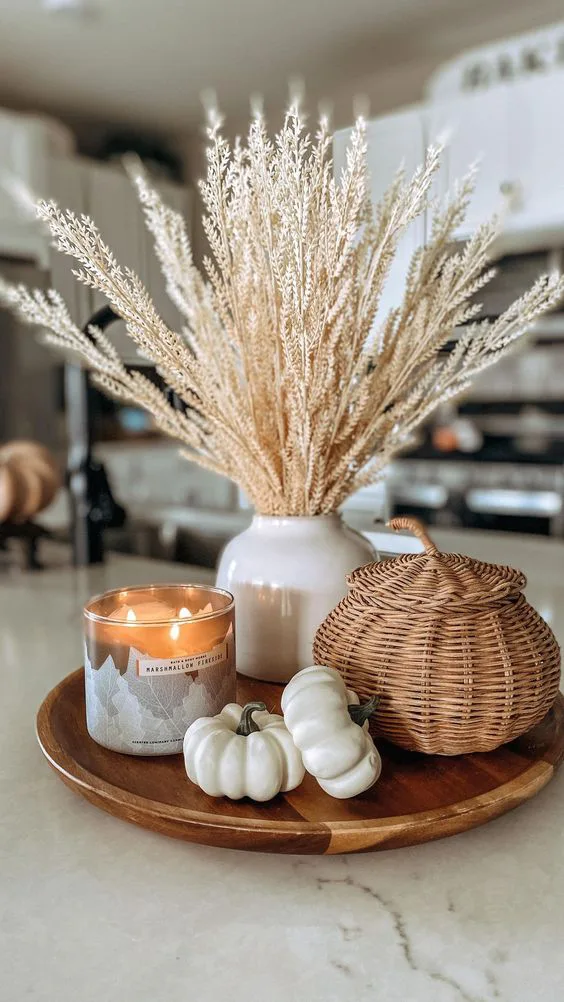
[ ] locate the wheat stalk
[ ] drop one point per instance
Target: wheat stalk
(292, 388)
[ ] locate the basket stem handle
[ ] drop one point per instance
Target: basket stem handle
(417, 528)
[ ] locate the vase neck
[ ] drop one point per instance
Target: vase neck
(296, 523)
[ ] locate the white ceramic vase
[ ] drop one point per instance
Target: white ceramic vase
(286, 574)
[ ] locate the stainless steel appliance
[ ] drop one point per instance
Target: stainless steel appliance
(517, 497)
(29, 372)
(496, 459)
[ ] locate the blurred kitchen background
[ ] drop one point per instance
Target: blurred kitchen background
(84, 81)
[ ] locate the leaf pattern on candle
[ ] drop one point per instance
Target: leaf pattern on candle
(98, 653)
(158, 695)
(150, 716)
(113, 716)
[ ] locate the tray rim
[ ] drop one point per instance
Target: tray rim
(493, 803)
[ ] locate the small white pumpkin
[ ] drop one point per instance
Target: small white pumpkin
(330, 728)
(242, 752)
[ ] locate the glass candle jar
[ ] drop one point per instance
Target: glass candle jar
(156, 658)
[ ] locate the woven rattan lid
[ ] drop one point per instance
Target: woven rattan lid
(431, 580)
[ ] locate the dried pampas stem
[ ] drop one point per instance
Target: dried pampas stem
(295, 386)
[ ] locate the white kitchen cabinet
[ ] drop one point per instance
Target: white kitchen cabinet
(476, 128)
(536, 155)
(178, 198)
(393, 140)
(36, 154)
(23, 161)
(66, 179)
(114, 206)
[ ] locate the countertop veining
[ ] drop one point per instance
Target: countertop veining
(101, 911)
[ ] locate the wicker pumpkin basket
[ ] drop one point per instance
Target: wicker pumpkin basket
(461, 661)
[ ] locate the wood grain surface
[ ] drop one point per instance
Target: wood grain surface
(418, 798)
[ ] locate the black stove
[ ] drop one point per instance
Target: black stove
(511, 479)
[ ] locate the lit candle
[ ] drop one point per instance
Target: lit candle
(168, 641)
(157, 658)
(150, 612)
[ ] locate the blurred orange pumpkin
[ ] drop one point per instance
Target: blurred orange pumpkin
(29, 480)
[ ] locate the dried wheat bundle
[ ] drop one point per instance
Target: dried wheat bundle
(291, 389)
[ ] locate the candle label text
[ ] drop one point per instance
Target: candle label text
(155, 667)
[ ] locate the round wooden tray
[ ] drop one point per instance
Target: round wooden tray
(418, 797)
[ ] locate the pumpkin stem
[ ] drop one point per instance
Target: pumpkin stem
(417, 528)
(246, 724)
(359, 714)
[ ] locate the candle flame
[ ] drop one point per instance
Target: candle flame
(183, 613)
(131, 617)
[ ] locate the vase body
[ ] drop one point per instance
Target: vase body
(286, 574)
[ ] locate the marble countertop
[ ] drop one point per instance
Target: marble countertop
(93, 909)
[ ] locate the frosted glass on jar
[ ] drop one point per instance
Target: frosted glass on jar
(156, 658)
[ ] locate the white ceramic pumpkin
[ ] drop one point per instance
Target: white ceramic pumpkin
(242, 752)
(330, 728)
